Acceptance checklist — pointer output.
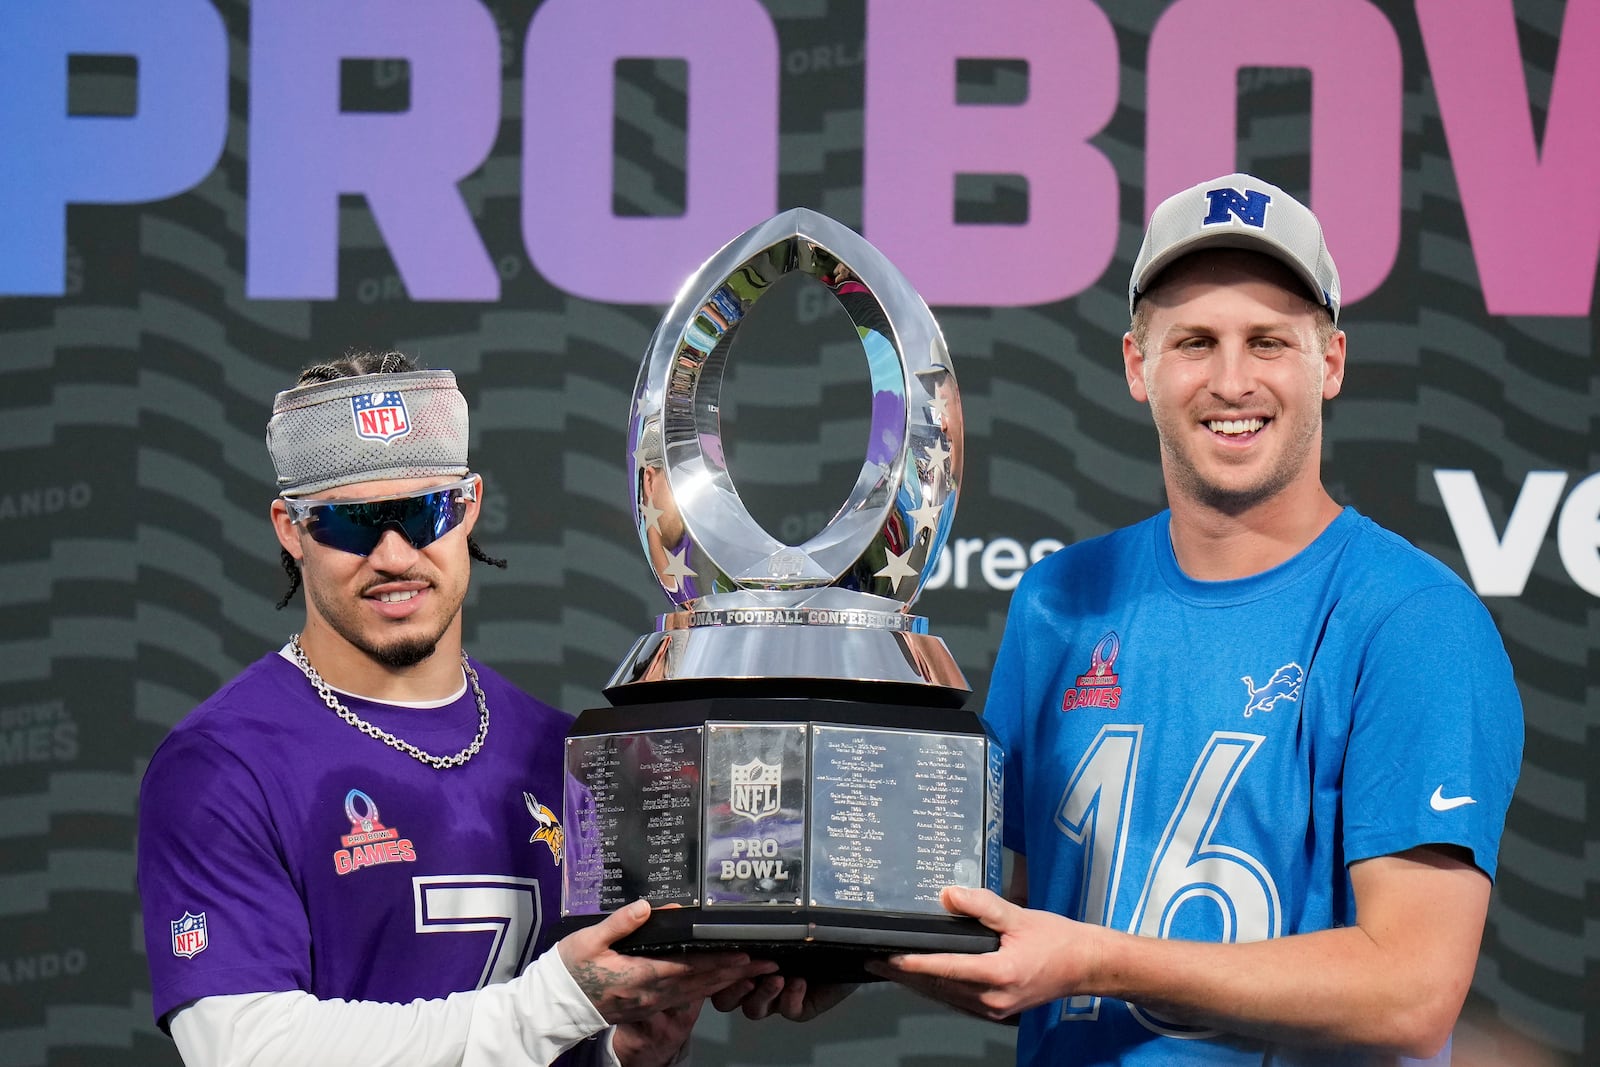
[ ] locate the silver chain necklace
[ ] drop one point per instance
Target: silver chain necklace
(440, 762)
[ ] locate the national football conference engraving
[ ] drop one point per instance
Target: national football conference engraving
(787, 755)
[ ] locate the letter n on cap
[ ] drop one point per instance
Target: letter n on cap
(1249, 208)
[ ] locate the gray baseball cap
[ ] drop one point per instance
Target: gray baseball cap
(1237, 211)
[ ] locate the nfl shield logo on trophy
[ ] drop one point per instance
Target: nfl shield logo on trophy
(755, 789)
(380, 416)
(189, 935)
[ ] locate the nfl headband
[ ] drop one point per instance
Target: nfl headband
(1237, 211)
(367, 428)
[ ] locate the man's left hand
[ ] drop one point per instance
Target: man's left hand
(1041, 956)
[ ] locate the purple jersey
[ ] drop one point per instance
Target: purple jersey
(281, 848)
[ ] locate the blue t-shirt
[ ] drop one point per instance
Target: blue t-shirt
(1202, 760)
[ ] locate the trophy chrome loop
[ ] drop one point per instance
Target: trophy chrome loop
(885, 538)
(861, 571)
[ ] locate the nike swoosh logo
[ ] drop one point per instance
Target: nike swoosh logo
(1440, 802)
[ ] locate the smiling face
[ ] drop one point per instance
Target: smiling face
(1234, 362)
(391, 607)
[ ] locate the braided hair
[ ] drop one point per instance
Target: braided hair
(351, 364)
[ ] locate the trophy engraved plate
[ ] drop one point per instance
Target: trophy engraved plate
(804, 722)
(892, 822)
(636, 798)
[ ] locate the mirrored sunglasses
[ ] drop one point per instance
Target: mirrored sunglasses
(421, 517)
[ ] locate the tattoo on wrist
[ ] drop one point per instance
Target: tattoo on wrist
(592, 979)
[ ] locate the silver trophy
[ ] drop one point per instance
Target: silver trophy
(787, 756)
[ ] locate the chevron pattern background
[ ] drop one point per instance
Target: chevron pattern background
(138, 572)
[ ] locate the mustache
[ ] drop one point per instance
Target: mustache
(389, 579)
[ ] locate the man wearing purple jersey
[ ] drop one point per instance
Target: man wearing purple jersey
(1259, 751)
(347, 855)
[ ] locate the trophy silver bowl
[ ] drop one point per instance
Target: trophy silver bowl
(787, 756)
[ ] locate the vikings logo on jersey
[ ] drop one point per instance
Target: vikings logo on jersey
(546, 828)
(1283, 685)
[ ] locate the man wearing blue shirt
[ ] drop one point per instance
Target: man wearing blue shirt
(1259, 749)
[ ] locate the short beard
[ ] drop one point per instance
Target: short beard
(396, 655)
(1230, 502)
(1186, 477)
(404, 653)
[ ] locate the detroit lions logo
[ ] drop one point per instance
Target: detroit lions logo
(546, 828)
(1283, 685)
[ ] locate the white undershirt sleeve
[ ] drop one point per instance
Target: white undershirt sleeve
(527, 1021)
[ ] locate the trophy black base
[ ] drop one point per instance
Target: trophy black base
(813, 943)
(811, 830)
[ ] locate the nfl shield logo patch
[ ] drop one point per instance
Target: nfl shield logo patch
(189, 935)
(756, 788)
(380, 416)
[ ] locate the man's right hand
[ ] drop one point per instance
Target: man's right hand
(626, 988)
